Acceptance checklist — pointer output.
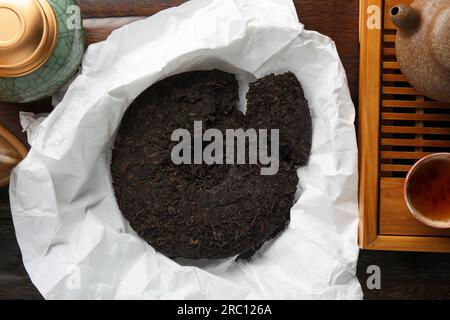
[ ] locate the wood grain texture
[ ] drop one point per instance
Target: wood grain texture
(407, 275)
(14, 281)
(398, 126)
(414, 104)
(123, 8)
(404, 275)
(9, 115)
(369, 121)
(415, 130)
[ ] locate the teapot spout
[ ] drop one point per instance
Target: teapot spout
(405, 17)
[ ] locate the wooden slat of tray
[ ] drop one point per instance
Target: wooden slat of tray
(415, 117)
(389, 38)
(410, 243)
(403, 155)
(98, 29)
(414, 130)
(409, 127)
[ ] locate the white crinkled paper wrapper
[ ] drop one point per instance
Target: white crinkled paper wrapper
(74, 240)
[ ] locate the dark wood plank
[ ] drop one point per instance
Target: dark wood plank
(5, 211)
(316, 15)
(404, 275)
(424, 276)
(14, 281)
(9, 114)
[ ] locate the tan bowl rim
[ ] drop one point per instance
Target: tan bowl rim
(412, 209)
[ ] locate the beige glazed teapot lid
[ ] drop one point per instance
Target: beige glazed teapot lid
(423, 45)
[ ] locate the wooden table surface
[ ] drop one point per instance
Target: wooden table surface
(403, 275)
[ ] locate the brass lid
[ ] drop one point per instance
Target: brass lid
(28, 33)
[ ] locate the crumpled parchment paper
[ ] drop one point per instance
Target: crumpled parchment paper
(74, 240)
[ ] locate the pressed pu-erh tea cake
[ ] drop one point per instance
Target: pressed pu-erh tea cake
(209, 211)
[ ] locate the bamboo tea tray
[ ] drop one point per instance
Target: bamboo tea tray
(397, 127)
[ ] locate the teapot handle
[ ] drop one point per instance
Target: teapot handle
(405, 17)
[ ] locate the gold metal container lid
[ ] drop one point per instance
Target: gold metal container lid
(28, 34)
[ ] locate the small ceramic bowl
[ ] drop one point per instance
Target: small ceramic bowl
(427, 190)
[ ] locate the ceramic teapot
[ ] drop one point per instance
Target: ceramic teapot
(423, 45)
(41, 46)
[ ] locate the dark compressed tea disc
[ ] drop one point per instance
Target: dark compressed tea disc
(208, 211)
